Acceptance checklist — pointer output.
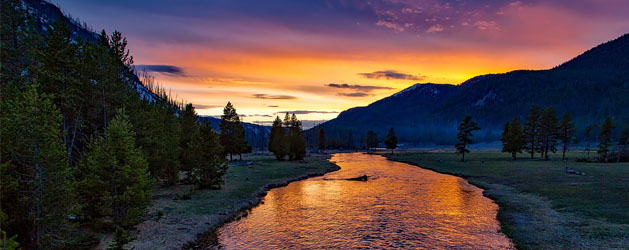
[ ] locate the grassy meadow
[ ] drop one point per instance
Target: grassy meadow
(542, 206)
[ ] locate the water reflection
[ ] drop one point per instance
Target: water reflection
(401, 206)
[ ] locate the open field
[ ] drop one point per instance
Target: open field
(173, 223)
(542, 206)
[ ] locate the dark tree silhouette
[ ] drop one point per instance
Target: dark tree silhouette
(372, 139)
(567, 132)
(606, 138)
(623, 141)
(548, 131)
(232, 133)
(391, 140)
(464, 135)
(276, 138)
(531, 129)
(321, 142)
(588, 138)
(513, 139)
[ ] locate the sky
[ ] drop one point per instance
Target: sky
(317, 58)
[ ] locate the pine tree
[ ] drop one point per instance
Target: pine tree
(567, 132)
(276, 138)
(189, 158)
(464, 135)
(372, 139)
(212, 166)
(531, 130)
(297, 140)
(113, 180)
(285, 145)
(232, 133)
(35, 178)
(513, 138)
(391, 140)
(321, 140)
(158, 134)
(606, 138)
(548, 131)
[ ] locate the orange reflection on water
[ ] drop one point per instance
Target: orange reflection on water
(400, 206)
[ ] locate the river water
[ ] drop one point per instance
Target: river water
(400, 206)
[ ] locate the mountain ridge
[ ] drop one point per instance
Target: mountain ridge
(591, 86)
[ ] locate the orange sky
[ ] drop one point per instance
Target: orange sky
(321, 57)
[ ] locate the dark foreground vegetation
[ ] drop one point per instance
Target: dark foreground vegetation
(542, 205)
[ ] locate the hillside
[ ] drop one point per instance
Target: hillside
(591, 86)
(48, 13)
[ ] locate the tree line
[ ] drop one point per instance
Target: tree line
(542, 132)
(81, 147)
(287, 139)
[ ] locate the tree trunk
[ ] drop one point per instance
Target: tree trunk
(563, 156)
(231, 157)
(514, 156)
(463, 159)
(240, 156)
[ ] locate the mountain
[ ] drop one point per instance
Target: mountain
(591, 86)
(48, 13)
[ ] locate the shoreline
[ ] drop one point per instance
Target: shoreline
(181, 229)
(210, 233)
(531, 222)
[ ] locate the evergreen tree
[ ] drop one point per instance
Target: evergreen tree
(34, 174)
(531, 130)
(464, 135)
(276, 138)
(321, 140)
(606, 138)
(189, 145)
(623, 141)
(113, 180)
(285, 145)
(212, 166)
(391, 140)
(297, 140)
(548, 131)
(372, 139)
(158, 134)
(233, 133)
(513, 138)
(567, 132)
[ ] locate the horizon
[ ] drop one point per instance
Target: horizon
(318, 59)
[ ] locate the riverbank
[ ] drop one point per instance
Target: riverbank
(175, 221)
(542, 206)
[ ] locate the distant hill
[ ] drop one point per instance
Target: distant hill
(591, 86)
(257, 135)
(48, 13)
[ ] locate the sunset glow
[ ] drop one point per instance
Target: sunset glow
(321, 57)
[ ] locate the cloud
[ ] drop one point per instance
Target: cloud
(303, 112)
(206, 106)
(435, 28)
(355, 94)
(255, 115)
(364, 88)
(274, 97)
(391, 74)
(390, 25)
(164, 69)
(273, 106)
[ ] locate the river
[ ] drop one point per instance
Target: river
(400, 206)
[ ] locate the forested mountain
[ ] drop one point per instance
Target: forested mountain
(48, 13)
(591, 86)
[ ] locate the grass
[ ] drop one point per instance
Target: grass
(542, 206)
(173, 223)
